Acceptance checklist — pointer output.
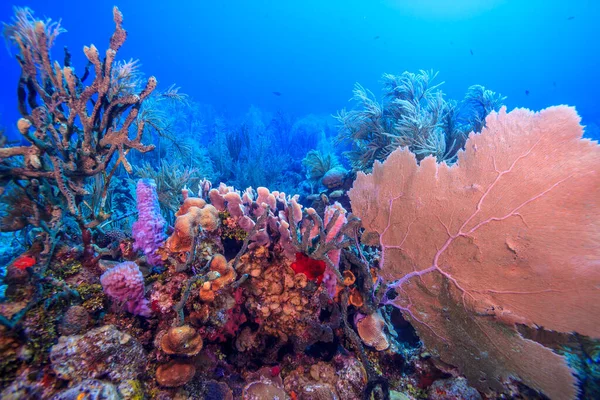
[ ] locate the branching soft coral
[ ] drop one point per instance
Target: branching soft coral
(74, 131)
(509, 235)
(414, 114)
(317, 164)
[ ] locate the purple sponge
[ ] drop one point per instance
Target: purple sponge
(125, 283)
(149, 230)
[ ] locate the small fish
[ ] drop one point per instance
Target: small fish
(526, 92)
(570, 18)
(277, 93)
(451, 42)
(554, 83)
(376, 37)
(471, 50)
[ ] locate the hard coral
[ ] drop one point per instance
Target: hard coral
(453, 388)
(175, 373)
(371, 330)
(181, 340)
(342, 378)
(263, 390)
(93, 389)
(101, 352)
(75, 321)
(509, 235)
(276, 296)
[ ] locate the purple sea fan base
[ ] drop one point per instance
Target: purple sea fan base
(125, 283)
(149, 230)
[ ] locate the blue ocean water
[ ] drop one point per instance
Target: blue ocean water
(248, 91)
(235, 54)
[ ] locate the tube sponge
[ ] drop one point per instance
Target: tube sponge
(149, 230)
(125, 283)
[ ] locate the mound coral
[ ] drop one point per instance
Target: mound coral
(277, 296)
(509, 235)
(371, 330)
(149, 230)
(101, 352)
(175, 373)
(181, 340)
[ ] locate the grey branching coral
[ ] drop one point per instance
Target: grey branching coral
(73, 130)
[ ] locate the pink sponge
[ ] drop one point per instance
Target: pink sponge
(125, 283)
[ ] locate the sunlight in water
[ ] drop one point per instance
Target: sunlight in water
(445, 9)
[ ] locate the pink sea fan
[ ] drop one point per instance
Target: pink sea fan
(125, 283)
(149, 230)
(507, 236)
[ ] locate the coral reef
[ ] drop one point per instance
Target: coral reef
(490, 252)
(464, 279)
(181, 340)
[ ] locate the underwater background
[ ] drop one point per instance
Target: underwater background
(232, 55)
(300, 200)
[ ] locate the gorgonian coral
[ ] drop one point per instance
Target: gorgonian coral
(509, 235)
(72, 130)
(415, 114)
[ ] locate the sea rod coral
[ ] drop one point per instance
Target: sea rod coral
(72, 130)
(506, 237)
